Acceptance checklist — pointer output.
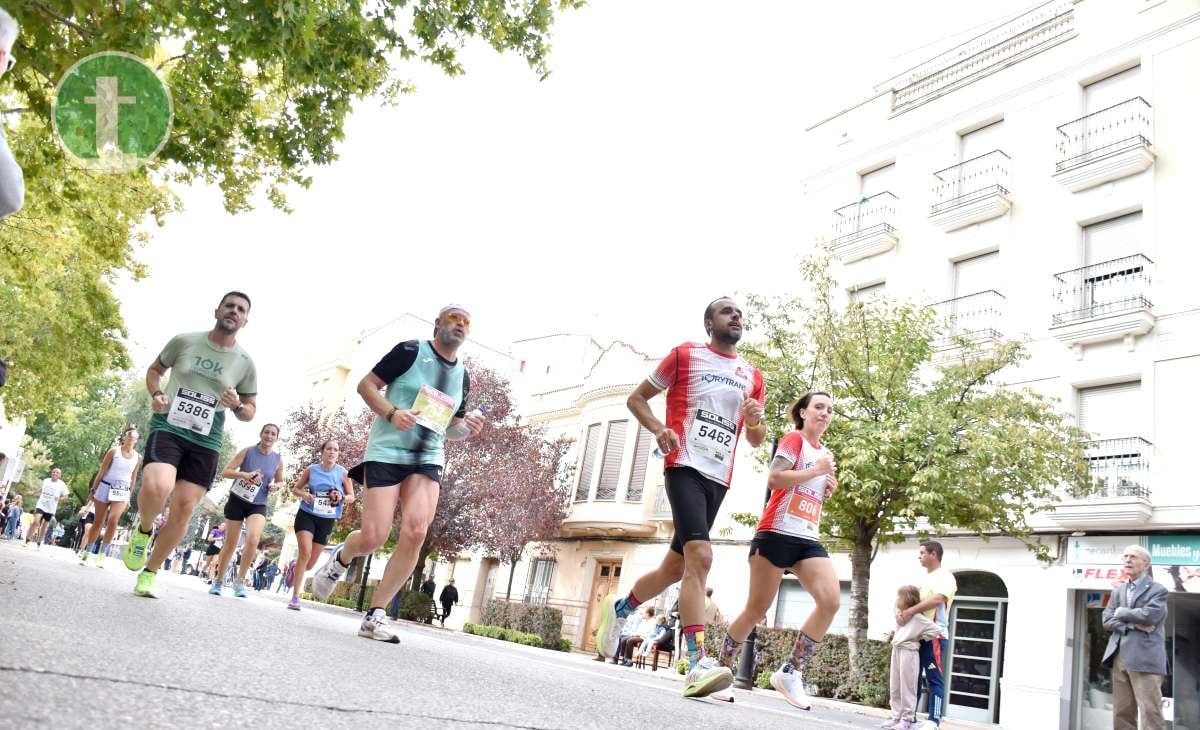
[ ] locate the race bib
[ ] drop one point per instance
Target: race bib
(193, 411)
(322, 506)
(711, 436)
(435, 409)
(118, 492)
(244, 489)
(803, 516)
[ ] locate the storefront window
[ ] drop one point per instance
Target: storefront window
(1093, 700)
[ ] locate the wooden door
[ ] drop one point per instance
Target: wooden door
(604, 581)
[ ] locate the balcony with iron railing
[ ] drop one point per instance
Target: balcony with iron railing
(1026, 35)
(971, 192)
(865, 228)
(1120, 473)
(662, 506)
(1106, 145)
(977, 317)
(1104, 301)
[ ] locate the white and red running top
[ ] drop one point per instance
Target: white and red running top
(797, 511)
(705, 391)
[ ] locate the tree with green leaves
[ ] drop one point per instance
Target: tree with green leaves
(261, 92)
(922, 447)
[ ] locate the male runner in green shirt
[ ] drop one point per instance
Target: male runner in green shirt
(210, 373)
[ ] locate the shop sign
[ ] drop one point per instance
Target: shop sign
(1175, 550)
(1099, 550)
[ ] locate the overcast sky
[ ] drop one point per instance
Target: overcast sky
(654, 170)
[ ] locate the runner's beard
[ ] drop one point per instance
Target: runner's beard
(727, 337)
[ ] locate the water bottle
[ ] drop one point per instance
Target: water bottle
(658, 453)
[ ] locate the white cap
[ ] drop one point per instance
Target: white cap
(449, 307)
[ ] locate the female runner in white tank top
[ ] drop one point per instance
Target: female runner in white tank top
(111, 490)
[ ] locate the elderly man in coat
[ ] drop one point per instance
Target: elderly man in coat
(1137, 649)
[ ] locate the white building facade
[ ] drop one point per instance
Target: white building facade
(1036, 183)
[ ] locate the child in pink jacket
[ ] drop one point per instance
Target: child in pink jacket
(906, 664)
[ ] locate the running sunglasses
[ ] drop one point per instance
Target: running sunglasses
(453, 318)
(12, 61)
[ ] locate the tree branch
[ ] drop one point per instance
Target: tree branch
(65, 21)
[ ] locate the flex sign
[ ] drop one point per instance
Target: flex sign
(1175, 550)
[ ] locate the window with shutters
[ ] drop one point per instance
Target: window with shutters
(862, 293)
(1105, 411)
(586, 468)
(1115, 273)
(537, 584)
(1118, 460)
(1116, 117)
(610, 468)
(637, 470)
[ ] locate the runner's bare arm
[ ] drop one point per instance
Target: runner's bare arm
(756, 430)
(154, 376)
(104, 464)
(370, 388)
(137, 468)
(246, 408)
(348, 486)
(639, 405)
(233, 469)
(278, 481)
(783, 476)
(299, 488)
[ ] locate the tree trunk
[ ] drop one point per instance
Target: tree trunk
(860, 588)
(418, 575)
(512, 569)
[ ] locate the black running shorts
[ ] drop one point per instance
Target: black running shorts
(785, 551)
(320, 527)
(238, 509)
(382, 474)
(695, 500)
(192, 463)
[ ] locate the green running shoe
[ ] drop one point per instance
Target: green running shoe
(137, 550)
(145, 585)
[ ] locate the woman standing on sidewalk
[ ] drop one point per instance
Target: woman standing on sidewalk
(801, 479)
(324, 490)
(110, 493)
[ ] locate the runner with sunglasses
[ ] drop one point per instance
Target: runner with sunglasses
(424, 405)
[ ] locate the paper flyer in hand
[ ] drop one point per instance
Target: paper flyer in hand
(434, 409)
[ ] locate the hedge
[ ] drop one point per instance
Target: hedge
(503, 634)
(345, 593)
(828, 670)
(543, 621)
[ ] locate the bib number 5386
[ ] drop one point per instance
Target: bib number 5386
(193, 410)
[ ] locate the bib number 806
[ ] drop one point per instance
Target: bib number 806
(721, 436)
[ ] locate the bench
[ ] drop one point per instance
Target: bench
(667, 651)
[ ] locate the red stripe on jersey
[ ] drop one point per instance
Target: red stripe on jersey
(678, 399)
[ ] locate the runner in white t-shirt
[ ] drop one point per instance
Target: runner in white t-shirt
(802, 477)
(711, 393)
(53, 489)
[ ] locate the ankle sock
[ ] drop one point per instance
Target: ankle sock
(626, 605)
(804, 648)
(693, 640)
(729, 651)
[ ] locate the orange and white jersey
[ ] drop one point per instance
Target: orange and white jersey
(705, 391)
(797, 511)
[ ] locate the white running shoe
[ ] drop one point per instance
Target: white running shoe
(83, 558)
(706, 678)
(325, 579)
(928, 725)
(608, 633)
(374, 626)
(790, 683)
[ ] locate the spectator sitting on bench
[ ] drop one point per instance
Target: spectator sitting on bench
(663, 639)
(631, 636)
